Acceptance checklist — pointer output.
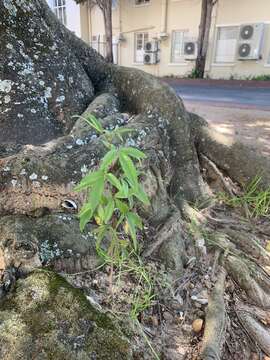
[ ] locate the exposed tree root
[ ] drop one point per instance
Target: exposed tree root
(224, 184)
(251, 279)
(241, 162)
(215, 322)
(258, 332)
(249, 244)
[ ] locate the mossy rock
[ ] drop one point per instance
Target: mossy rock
(46, 318)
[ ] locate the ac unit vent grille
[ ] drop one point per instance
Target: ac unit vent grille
(244, 50)
(147, 58)
(148, 46)
(189, 48)
(247, 32)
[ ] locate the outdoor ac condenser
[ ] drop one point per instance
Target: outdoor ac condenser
(151, 46)
(190, 49)
(250, 41)
(150, 58)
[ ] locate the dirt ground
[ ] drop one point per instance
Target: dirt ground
(249, 125)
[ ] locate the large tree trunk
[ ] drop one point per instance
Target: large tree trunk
(47, 75)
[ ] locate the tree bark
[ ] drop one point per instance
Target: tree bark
(107, 14)
(203, 38)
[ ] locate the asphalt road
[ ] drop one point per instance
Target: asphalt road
(232, 96)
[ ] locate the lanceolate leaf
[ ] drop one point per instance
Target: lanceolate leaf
(128, 168)
(110, 157)
(94, 123)
(89, 180)
(101, 233)
(114, 181)
(133, 152)
(121, 206)
(96, 194)
(132, 229)
(141, 195)
(108, 211)
(136, 220)
(85, 215)
(101, 213)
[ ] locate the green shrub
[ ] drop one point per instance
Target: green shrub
(114, 191)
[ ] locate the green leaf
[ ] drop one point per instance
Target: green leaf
(136, 219)
(125, 188)
(101, 232)
(132, 229)
(114, 181)
(141, 195)
(128, 168)
(123, 208)
(108, 211)
(89, 180)
(85, 215)
(108, 159)
(94, 123)
(120, 195)
(101, 213)
(96, 194)
(124, 130)
(133, 152)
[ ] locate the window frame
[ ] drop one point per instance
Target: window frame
(145, 34)
(225, 63)
(182, 56)
(114, 5)
(143, 3)
(60, 7)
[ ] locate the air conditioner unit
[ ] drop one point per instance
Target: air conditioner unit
(150, 58)
(250, 41)
(121, 37)
(190, 50)
(151, 46)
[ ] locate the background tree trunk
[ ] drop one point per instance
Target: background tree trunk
(107, 14)
(106, 9)
(203, 38)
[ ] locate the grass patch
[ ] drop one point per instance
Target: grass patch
(261, 78)
(254, 201)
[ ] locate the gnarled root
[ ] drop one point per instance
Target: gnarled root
(249, 244)
(251, 279)
(215, 321)
(256, 330)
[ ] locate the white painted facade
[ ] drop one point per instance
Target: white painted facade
(69, 13)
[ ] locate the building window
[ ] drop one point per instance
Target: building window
(177, 52)
(98, 42)
(114, 4)
(142, 2)
(60, 10)
(226, 44)
(140, 40)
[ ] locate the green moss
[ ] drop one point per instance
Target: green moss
(47, 314)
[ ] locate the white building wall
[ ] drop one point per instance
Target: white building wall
(73, 15)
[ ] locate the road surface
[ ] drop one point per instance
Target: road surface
(235, 110)
(218, 95)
